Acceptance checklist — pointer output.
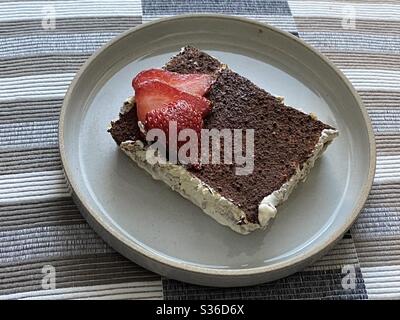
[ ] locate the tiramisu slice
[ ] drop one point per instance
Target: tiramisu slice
(202, 93)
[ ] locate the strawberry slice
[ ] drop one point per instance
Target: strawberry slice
(196, 84)
(154, 94)
(180, 111)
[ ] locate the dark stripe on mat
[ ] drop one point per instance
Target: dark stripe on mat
(322, 284)
(254, 7)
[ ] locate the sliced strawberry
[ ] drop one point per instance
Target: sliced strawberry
(196, 84)
(180, 111)
(154, 94)
(185, 115)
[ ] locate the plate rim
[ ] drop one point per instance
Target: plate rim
(154, 261)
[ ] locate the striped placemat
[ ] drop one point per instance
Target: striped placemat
(43, 234)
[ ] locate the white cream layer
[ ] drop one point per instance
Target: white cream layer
(189, 186)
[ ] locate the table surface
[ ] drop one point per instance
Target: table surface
(42, 234)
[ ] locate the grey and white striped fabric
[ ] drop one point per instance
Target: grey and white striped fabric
(39, 224)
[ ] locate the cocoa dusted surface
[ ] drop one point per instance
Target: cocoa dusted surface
(126, 127)
(192, 60)
(284, 136)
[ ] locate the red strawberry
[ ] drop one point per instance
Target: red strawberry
(154, 94)
(180, 111)
(196, 84)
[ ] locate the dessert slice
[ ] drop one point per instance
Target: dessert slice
(286, 141)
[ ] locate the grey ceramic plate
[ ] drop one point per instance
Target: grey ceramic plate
(163, 232)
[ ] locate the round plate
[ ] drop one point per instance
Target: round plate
(154, 226)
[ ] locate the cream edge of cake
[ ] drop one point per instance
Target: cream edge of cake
(221, 209)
